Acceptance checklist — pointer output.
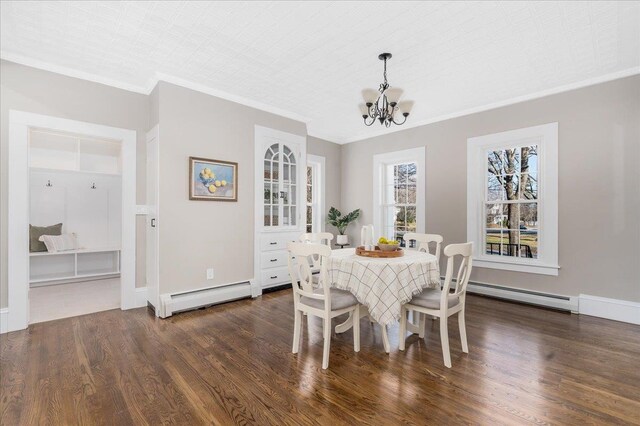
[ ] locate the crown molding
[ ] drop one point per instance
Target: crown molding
(511, 101)
(69, 72)
(157, 77)
(227, 96)
(151, 84)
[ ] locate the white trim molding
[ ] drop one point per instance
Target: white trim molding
(545, 136)
(4, 320)
(613, 309)
(18, 206)
(318, 186)
(380, 162)
(141, 297)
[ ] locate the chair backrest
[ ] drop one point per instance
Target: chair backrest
(300, 261)
(423, 241)
(463, 250)
(317, 238)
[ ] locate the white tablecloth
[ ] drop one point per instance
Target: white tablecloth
(383, 285)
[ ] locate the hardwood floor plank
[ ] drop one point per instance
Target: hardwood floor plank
(232, 364)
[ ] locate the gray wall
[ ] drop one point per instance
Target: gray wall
(333, 170)
(196, 235)
(31, 90)
(599, 184)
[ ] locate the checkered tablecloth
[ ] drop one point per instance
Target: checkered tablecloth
(383, 285)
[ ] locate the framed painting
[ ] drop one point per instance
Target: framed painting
(213, 180)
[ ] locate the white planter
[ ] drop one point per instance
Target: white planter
(342, 239)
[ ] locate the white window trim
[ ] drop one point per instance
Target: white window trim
(380, 161)
(318, 187)
(546, 137)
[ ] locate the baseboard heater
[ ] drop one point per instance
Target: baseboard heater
(179, 302)
(555, 301)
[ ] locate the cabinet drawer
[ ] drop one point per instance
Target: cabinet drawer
(277, 241)
(274, 259)
(275, 276)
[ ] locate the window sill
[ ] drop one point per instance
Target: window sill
(530, 268)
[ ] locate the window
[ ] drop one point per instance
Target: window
(512, 199)
(399, 193)
(315, 194)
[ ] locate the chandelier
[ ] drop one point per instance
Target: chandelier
(382, 105)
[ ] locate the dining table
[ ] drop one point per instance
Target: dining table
(382, 285)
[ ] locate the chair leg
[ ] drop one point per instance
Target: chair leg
(297, 319)
(422, 321)
(444, 339)
(463, 332)
(356, 329)
(327, 342)
(385, 339)
(402, 334)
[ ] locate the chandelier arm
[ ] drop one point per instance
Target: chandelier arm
(402, 122)
(373, 120)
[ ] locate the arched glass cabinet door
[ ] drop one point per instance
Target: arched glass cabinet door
(280, 187)
(272, 186)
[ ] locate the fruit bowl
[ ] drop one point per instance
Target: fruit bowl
(388, 247)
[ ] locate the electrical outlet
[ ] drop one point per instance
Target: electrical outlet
(210, 273)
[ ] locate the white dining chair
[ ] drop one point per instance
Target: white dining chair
(444, 303)
(323, 301)
(317, 237)
(423, 241)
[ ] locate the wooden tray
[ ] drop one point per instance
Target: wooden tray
(360, 251)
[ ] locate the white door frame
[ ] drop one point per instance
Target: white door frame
(318, 185)
(18, 205)
(152, 221)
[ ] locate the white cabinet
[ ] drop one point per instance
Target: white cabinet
(280, 162)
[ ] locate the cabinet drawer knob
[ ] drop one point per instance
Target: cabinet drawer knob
(274, 260)
(275, 276)
(273, 243)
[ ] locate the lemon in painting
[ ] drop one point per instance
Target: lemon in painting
(218, 183)
(224, 183)
(207, 171)
(212, 188)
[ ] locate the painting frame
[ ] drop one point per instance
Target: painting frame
(197, 182)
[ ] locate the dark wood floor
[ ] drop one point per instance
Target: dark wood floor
(233, 364)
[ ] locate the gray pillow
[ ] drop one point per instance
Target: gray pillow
(36, 231)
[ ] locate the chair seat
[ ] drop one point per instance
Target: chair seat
(340, 299)
(430, 299)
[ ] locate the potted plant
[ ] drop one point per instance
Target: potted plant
(341, 222)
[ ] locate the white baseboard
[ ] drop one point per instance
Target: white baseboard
(614, 309)
(556, 301)
(141, 297)
(4, 320)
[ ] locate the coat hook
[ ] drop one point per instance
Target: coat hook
(93, 186)
(48, 184)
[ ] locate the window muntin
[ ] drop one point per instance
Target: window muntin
(511, 202)
(399, 207)
(280, 186)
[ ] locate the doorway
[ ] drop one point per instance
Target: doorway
(69, 177)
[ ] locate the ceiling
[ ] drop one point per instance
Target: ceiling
(311, 60)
